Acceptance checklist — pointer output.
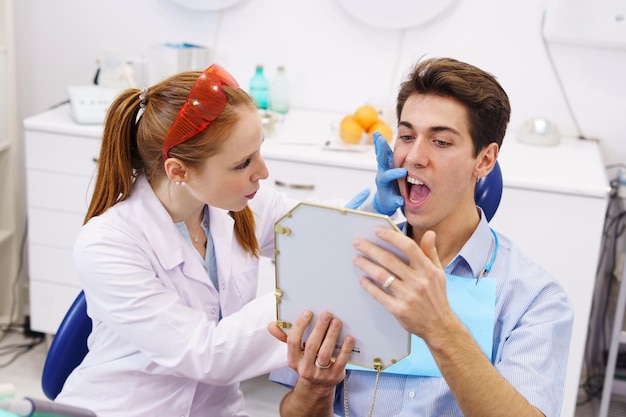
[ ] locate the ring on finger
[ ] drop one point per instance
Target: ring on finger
(320, 366)
(389, 281)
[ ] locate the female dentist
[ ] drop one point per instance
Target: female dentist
(168, 255)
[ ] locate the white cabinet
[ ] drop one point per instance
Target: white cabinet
(551, 206)
(60, 168)
(9, 235)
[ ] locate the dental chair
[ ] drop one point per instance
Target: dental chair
(69, 346)
(488, 192)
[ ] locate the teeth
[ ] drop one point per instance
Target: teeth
(414, 181)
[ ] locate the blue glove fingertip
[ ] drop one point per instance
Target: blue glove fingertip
(358, 199)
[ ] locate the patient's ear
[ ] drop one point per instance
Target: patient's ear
(486, 160)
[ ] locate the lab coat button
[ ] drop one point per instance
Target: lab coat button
(412, 394)
(223, 286)
(213, 310)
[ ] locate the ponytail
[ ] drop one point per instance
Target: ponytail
(118, 158)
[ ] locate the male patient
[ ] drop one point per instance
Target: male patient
(452, 119)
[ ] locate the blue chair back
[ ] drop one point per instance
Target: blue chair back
(68, 348)
(489, 192)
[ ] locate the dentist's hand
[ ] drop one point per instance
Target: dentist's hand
(358, 199)
(387, 198)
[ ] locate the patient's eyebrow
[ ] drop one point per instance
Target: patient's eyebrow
(431, 128)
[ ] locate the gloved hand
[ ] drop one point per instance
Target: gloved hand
(387, 198)
(358, 199)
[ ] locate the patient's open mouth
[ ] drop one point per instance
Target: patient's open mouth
(417, 190)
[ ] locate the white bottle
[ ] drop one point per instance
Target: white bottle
(279, 92)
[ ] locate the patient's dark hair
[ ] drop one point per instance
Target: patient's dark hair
(484, 98)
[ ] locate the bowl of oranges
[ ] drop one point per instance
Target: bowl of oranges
(358, 127)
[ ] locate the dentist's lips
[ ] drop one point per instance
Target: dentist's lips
(251, 196)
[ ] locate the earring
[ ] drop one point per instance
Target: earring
(177, 182)
(183, 183)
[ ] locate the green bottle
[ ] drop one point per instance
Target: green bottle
(259, 88)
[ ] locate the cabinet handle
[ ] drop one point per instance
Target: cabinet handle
(295, 186)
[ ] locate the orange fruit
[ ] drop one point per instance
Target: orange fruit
(366, 115)
(383, 128)
(350, 131)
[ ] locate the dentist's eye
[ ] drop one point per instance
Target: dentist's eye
(245, 164)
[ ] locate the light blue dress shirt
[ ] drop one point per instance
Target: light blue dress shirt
(209, 261)
(530, 346)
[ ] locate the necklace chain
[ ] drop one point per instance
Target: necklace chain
(345, 393)
(196, 238)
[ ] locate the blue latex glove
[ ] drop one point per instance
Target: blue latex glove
(358, 199)
(387, 198)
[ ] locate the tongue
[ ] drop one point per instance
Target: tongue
(418, 193)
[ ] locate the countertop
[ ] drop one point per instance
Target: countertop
(573, 167)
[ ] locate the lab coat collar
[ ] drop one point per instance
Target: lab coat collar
(221, 227)
(157, 224)
(169, 246)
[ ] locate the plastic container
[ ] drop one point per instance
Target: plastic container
(259, 88)
(279, 92)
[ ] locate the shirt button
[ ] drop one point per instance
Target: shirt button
(223, 286)
(412, 394)
(213, 310)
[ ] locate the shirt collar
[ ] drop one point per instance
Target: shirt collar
(476, 253)
(472, 258)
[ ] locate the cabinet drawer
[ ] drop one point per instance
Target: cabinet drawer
(61, 153)
(53, 265)
(59, 191)
(48, 304)
(321, 182)
(53, 228)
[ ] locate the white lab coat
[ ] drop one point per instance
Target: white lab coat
(156, 348)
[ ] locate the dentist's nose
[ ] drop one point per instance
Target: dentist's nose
(261, 172)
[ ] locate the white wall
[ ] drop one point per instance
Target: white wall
(334, 61)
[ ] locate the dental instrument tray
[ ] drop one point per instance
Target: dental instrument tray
(314, 271)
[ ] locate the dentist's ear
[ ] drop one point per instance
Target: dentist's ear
(175, 170)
